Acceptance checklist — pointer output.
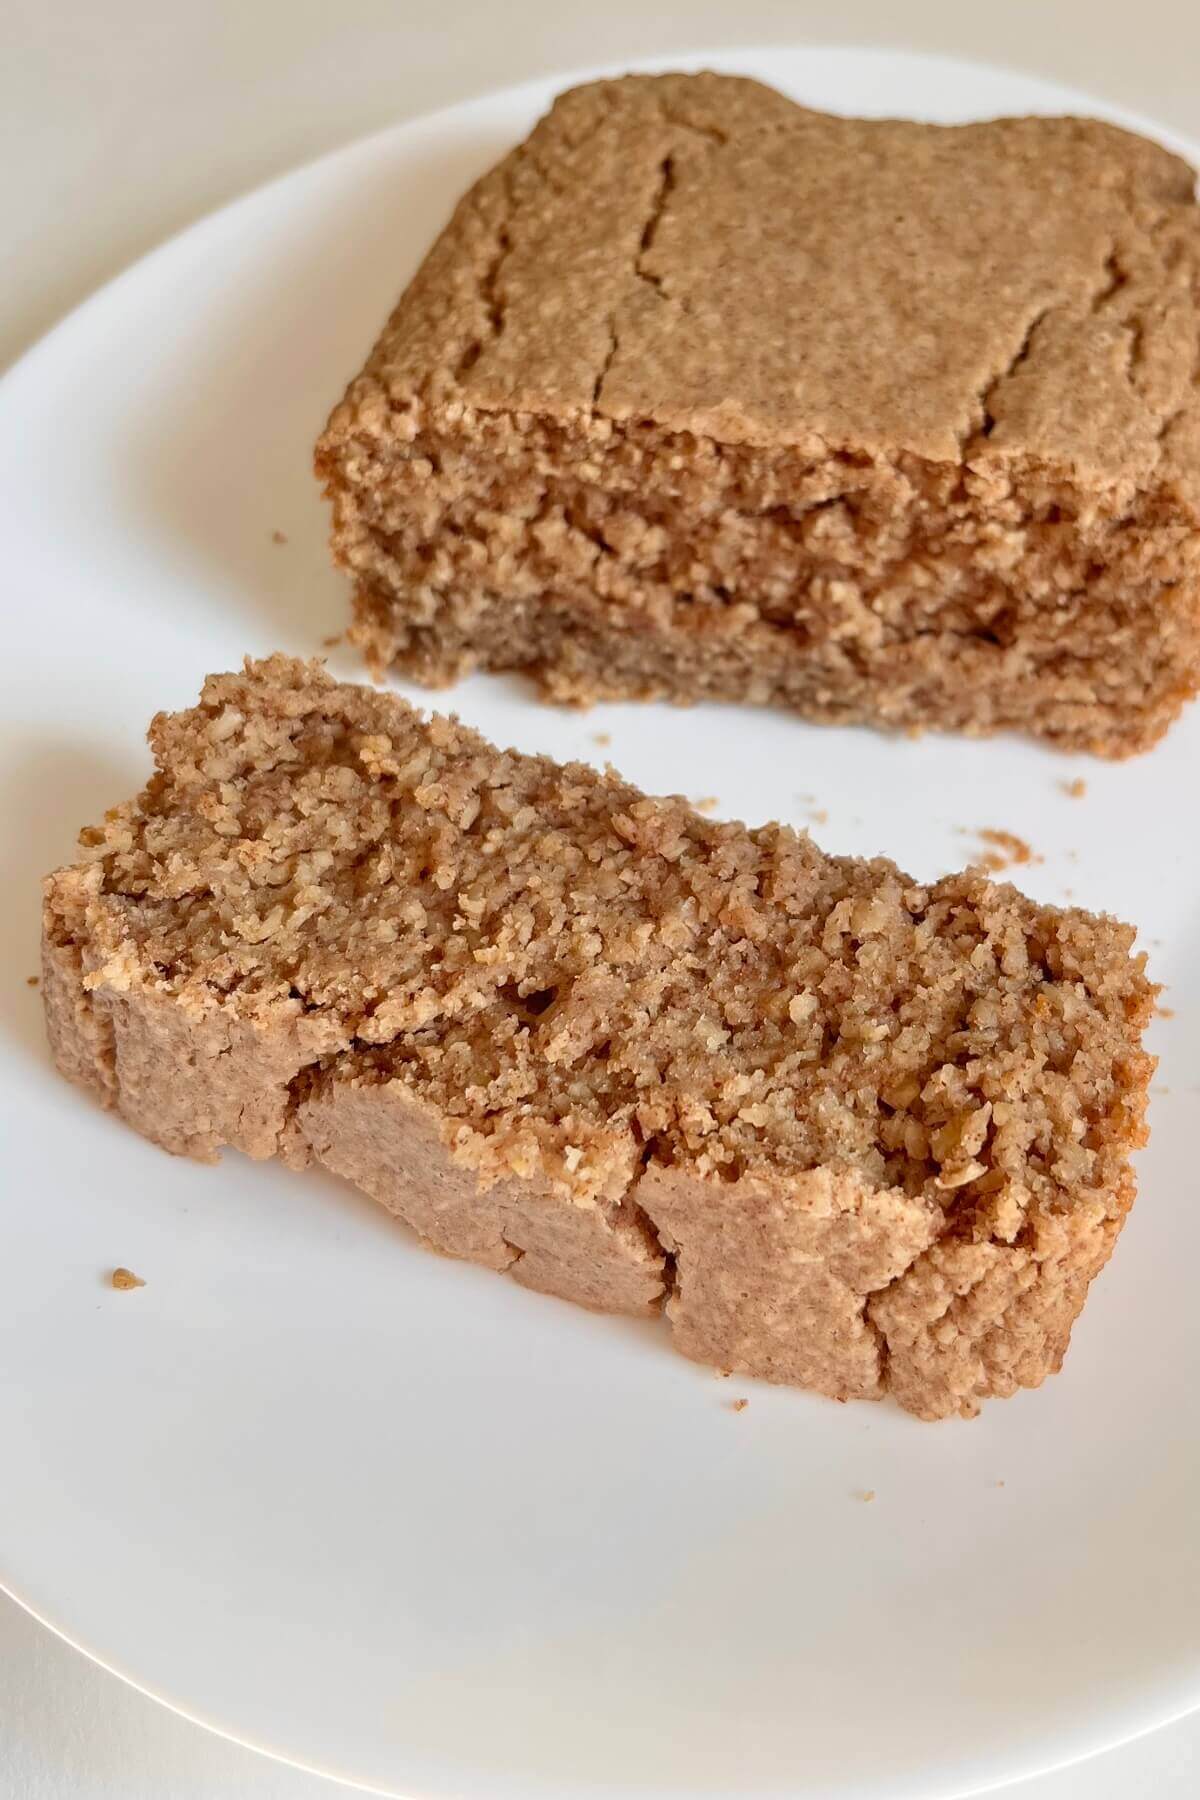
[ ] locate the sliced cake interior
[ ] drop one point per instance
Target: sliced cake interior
(858, 1131)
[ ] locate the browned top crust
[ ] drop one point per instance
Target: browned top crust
(698, 251)
(567, 969)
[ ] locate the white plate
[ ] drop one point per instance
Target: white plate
(392, 1517)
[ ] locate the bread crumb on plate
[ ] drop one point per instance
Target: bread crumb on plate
(1004, 850)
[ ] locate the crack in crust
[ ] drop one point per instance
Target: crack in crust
(655, 219)
(1019, 357)
(605, 366)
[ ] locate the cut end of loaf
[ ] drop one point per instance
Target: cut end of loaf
(701, 393)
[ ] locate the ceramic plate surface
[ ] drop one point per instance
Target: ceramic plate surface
(395, 1518)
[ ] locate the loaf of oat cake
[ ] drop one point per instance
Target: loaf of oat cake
(848, 1130)
(701, 393)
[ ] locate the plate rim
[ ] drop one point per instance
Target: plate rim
(355, 1786)
(1146, 1716)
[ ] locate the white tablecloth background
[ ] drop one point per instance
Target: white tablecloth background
(120, 122)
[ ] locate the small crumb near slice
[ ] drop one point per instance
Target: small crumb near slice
(866, 1494)
(707, 803)
(1004, 848)
(603, 738)
(279, 537)
(1074, 789)
(738, 1405)
(1164, 1012)
(32, 980)
(1012, 848)
(124, 1279)
(819, 816)
(331, 643)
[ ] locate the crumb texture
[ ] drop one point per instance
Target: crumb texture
(852, 1131)
(703, 393)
